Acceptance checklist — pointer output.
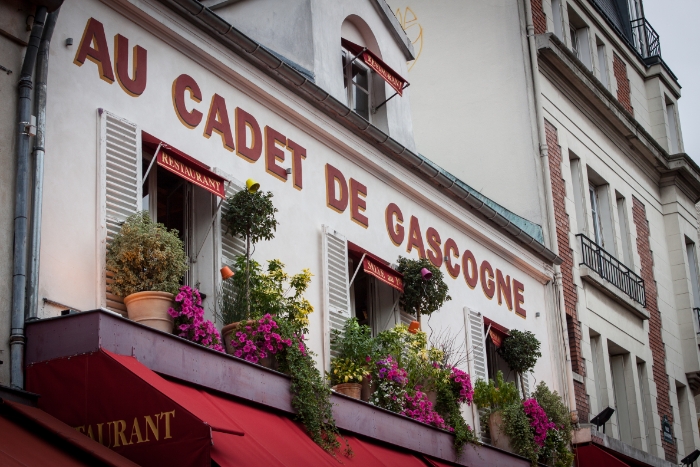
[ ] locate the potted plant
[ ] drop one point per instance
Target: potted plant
(349, 369)
(495, 396)
(251, 215)
(148, 262)
(520, 350)
(189, 320)
(424, 290)
(272, 295)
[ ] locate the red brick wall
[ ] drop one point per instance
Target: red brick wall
(539, 20)
(623, 83)
(567, 267)
(658, 352)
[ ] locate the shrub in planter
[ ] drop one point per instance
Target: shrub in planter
(556, 450)
(259, 342)
(189, 320)
(495, 397)
(391, 382)
(147, 262)
(349, 369)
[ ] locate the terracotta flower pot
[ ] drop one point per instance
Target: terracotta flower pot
(368, 387)
(151, 309)
(498, 438)
(229, 331)
(353, 390)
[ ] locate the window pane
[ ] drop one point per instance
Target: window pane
(596, 215)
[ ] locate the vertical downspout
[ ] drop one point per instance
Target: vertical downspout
(42, 71)
(19, 260)
(544, 154)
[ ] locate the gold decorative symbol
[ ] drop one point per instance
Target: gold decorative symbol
(409, 22)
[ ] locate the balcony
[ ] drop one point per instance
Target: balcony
(645, 39)
(612, 277)
(83, 335)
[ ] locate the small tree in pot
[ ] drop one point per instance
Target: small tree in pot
(147, 262)
(520, 350)
(424, 290)
(251, 215)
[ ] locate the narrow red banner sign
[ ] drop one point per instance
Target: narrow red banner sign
(187, 170)
(383, 273)
(382, 69)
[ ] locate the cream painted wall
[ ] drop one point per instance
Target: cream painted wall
(69, 261)
(13, 19)
(472, 97)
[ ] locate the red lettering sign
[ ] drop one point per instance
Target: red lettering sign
(383, 273)
(184, 169)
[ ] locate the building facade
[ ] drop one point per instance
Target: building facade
(584, 90)
(235, 91)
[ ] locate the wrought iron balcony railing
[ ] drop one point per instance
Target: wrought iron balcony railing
(645, 39)
(612, 270)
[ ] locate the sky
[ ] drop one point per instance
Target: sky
(676, 21)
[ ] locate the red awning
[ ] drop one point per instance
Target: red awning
(185, 166)
(497, 333)
(371, 60)
(593, 456)
(377, 267)
(106, 389)
(30, 436)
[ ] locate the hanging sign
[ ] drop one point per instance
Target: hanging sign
(383, 273)
(191, 172)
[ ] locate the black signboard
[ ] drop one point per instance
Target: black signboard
(666, 428)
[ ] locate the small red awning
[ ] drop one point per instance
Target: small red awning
(186, 167)
(497, 333)
(593, 456)
(377, 267)
(155, 421)
(371, 60)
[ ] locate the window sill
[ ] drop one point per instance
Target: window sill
(593, 278)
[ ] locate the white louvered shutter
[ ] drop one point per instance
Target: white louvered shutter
(526, 385)
(231, 247)
(121, 189)
(476, 351)
(336, 286)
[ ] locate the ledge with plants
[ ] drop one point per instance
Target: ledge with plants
(537, 427)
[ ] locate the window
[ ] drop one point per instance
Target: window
(603, 231)
(557, 18)
(578, 30)
(578, 192)
(373, 302)
(635, 9)
(179, 204)
(619, 361)
(691, 255)
(673, 140)
(598, 374)
(357, 83)
(644, 396)
(595, 212)
(624, 229)
(602, 64)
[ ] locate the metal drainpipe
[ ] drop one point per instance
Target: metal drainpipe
(544, 154)
(42, 71)
(19, 266)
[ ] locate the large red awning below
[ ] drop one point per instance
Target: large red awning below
(593, 456)
(30, 436)
(125, 406)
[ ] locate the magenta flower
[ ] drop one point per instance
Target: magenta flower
(189, 319)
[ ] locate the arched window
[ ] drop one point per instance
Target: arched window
(363, 89)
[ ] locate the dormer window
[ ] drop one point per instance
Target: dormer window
(358, 83)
